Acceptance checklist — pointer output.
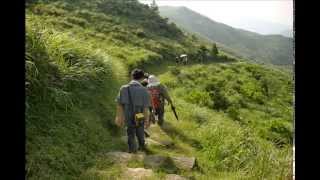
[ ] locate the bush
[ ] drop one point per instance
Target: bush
(200, 98)
(220, 101)
(140, 33)
(280, 132)
(233, 112)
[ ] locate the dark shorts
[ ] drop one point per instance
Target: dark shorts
(160, 113)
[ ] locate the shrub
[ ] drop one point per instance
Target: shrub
(280, 132)
(233, 112)
(198, 97)
(140, 33)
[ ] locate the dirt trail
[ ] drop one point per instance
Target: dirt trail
(148, 164)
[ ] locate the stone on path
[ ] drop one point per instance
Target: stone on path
(140, 156)
(137, 173)
(119, 157)
(155, 161)
(185, 163)
(124, 157)
(174, 177)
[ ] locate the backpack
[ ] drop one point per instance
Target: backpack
(155, 97)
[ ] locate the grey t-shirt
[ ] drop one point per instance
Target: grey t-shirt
(140, 99)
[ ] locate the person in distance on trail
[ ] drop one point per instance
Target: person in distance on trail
(158, 94)
(133, 110)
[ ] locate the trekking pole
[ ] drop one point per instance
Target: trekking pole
(174, 112)
(146, 133)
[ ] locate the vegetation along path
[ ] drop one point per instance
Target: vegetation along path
(235, 117)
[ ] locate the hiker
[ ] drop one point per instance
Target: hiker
(159, 94)
(177, 60)
(133, 110)
(184, 59)
(144, 83)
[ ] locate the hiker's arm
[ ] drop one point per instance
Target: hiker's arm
(119, 120)
(146, 114)
(120, 115)
(146, 109)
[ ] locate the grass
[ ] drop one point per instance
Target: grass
(76, 60)
(70, 101)
(227, 147)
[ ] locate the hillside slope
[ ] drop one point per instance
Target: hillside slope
(274, 49)
(79, 53)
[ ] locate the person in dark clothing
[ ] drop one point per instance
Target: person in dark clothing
(133, 110)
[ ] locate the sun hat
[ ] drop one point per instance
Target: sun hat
(153, 81)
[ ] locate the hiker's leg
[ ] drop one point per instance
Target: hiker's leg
(140, 135)
(157, 114)
(131, 132)
(160, 112)
(151, 118)
(161, 115)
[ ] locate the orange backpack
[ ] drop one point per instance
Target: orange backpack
(155, 97)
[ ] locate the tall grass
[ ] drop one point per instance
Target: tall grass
(249, 145)
(70, 102)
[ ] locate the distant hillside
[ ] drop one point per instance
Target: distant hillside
(287, 33)
(274, 49)
(260, 26)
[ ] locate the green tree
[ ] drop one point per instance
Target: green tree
(154, 6)
(202, 53)
(214, 50)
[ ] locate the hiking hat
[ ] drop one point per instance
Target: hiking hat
(153, 81)
(137, 74)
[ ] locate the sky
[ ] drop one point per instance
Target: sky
(255, 15)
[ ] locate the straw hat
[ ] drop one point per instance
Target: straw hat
(153, 81)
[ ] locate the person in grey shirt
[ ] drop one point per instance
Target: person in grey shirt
(134, 99)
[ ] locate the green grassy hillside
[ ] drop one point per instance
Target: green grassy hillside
(78, 54)
(236, 117)
(274, 49)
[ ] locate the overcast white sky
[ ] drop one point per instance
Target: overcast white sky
(239, 12)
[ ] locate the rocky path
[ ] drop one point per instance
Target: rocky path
(147, 164)
(150, 163)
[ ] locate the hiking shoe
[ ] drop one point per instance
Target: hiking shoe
(133, 152)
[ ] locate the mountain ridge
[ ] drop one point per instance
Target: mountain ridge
(274, 49)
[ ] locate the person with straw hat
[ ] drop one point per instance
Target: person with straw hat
(159, 94)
